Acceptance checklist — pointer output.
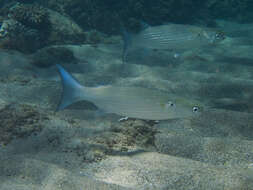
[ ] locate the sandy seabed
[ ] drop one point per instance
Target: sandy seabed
(79, 149)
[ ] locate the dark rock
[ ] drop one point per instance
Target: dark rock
(231, 9)
(29, 27)
(14, 35)
(53, 55)
(107, 16)
(64, 30)
(30, 15)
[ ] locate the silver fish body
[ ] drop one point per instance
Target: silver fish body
(133, 102)
(176, 37)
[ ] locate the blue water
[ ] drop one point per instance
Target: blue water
(84, 147)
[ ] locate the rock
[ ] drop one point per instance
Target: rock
(15, 36)
(53, 55)
(29, 27)
(64, 30)
(30, 15)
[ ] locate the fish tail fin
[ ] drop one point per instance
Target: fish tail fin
(126, 42)
(72, 90)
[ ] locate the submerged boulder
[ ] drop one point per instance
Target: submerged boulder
(29, 27)
(49, 56)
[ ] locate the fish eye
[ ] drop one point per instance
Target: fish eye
(195, 109)
(219, 35)
(171, 104)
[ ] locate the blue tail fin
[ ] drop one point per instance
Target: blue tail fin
(72, 90)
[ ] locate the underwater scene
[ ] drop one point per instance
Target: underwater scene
(126, 95)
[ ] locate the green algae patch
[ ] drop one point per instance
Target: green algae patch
(19, 121)
(127, 136)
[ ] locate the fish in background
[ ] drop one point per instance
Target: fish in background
(172, 37)
(132, 102)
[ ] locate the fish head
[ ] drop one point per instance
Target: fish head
(214, 36)
(219, 36)
(183, 108)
